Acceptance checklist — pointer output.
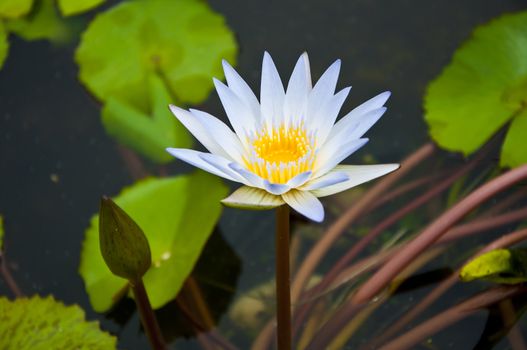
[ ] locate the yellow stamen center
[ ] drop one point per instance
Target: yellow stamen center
(281, 153)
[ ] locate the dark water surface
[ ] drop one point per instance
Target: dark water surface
(56, 159)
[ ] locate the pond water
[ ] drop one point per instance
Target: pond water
(56, 159)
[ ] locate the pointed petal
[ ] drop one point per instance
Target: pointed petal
(271, 92)
(193, 157)
(326, 115)
(197, 129)
(276, 189)
(241, 89)
(253, 179)
(223, 135)
(329, 157)
(298, 90)
(252, 198)
(299, 180)
(329, 179)
(222, 165)
(305, 203)
(342, 132)
(357, 174)
(323, 90)
(236, 110)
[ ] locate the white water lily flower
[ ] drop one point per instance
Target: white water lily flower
(287, 147)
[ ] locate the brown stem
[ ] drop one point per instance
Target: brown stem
(8, 277)
(283, 279)
(196, 297)
(133, 163)
(435, 230)
(211, 334)
(452, 315)
(509, 317)
(502, 242)
(148, 318)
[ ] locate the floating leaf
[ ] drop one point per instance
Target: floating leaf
(73, 7)
(15, 8)
(177, 216)
(44, 22)
(150, 134)
(483, 88)
(43, 323)
(506, 266)
(4, 44)
(181, 41)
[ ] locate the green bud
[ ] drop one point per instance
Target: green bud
(123, 244)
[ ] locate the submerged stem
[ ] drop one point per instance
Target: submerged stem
(283, 279)
(148, 319)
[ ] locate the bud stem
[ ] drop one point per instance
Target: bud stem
(148, 319)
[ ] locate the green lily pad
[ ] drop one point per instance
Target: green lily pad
(15, 8)
(4, 44)
(43, 22)
(483, 88)
(73, 7)
(505, 266)
(43, 323)
(177, 216)
(149, 134)
(182, 41)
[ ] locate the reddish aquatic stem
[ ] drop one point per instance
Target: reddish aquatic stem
(502, 242)
(434, 231)
(8, 278)
(452, 315)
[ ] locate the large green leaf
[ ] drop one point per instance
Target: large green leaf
(505, 266)
(44, 22)
(15, 8)
(177, 216)
(181, 41)
(483, 88)
(44, 323)
(73, 7)
(4, 44)
(150, 134)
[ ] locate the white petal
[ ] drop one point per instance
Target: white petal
(342, 132)
(357, 174)
(298, 89)
(193, 157)
(323, 90)
(236, 110)
(271, 92)
(223, 135)
(305, 203)
(276, 189)
(299, 179)
(328, 157)
(222, 165)
(241, 89)
(331, 178)
(253, 179)
(252, 198)
(356, 116)
(327, 115)
(197, 129)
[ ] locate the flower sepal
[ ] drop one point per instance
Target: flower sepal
(252, 198)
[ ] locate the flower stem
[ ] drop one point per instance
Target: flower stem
(283, 279)
(148, 319)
